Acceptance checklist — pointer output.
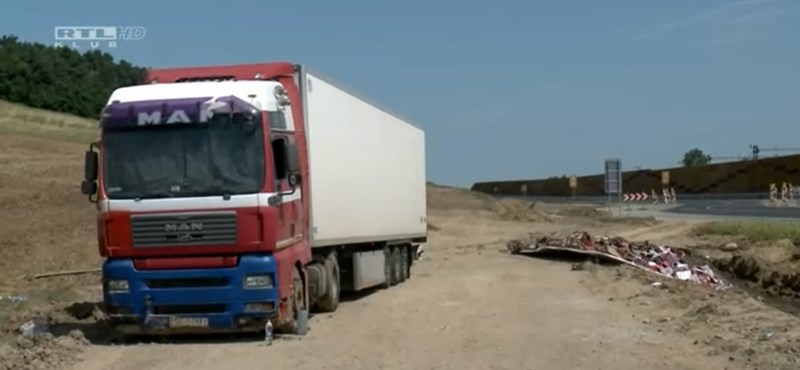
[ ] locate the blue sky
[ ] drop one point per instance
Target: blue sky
(504, 89)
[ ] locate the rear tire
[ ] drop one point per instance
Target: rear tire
(330, 301)
(397, 266)
(387, 268)
(405, 263)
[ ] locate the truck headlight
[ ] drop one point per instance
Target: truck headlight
(118, 286)
(258, 281)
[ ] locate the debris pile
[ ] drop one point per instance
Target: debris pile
(662, 260)
(42, 351)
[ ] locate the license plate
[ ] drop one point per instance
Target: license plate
(190, 322)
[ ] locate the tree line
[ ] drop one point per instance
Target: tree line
(59, 78)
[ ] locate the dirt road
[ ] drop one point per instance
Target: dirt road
(468, 306)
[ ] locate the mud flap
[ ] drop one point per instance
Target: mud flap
(417, 252)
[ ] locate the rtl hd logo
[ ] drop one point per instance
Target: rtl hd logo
(94, 37)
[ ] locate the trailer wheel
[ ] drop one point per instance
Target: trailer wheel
(330, 301)
(387, 268)
(405, 271)
(397, 266)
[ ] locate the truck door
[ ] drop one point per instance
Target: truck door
(290, 206)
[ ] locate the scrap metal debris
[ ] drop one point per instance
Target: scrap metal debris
(661, 260)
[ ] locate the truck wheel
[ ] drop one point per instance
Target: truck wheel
(397, 266)
(387, 268)
(405, 262)
(296, 301)
(330, 301)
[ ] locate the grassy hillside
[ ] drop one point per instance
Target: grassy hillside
(46, 223)
(22, 120)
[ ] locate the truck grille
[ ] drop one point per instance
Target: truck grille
(169, 230)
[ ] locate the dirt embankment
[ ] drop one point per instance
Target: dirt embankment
(767, 269)
(444, 198)
(741, 323)
(732, 323)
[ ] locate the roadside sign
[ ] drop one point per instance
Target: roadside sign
(573, 182)
(613, 179)
(664, 177)
(524, 189)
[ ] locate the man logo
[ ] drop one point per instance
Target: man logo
(177, 116)
(183, 227)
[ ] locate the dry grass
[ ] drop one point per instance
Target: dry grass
(45, 223)
(21, 120)
(755, 231)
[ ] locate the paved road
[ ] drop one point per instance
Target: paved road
(737, 207)
(750, 208)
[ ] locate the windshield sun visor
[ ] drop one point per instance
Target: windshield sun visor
(119, 116)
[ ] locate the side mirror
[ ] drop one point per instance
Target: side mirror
(88, 188)
(90, 171)
(291, 162)
(292, 158)
(90, 165)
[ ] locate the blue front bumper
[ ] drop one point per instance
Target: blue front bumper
(191, 300)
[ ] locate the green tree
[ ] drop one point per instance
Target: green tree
(695, 157)
(61, 79)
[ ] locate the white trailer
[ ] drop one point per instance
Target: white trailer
(367, 179)
(367, 169)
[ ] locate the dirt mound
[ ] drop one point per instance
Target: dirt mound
(451, 198)
(447, 198)
(42, 352)
(518, 210)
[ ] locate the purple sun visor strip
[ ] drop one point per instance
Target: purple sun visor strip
(144, 113)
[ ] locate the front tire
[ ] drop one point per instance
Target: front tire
(296, 301)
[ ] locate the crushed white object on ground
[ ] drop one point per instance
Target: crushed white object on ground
(35, 326)
(661, 260)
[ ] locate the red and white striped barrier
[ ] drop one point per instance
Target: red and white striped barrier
(634, 197)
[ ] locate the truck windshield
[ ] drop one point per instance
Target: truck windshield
(221, 156)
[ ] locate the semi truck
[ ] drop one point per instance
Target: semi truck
(232, 196)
